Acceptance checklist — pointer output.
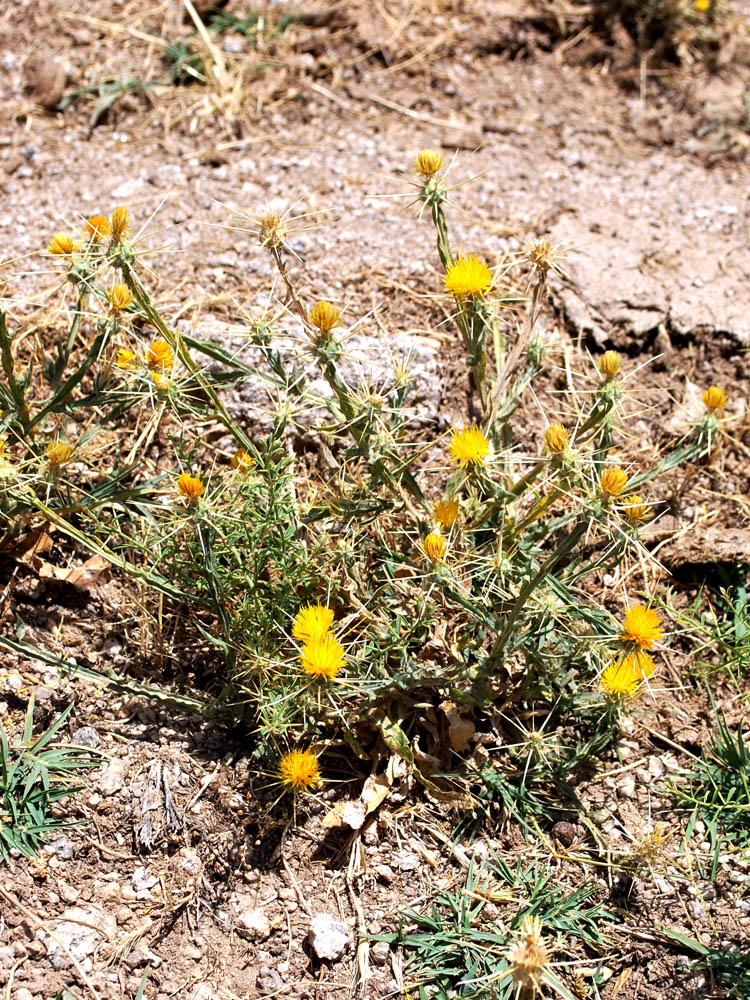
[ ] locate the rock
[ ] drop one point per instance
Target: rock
(364, 359)
(409, 863)
(23, 994)
(112, 778)
(379, 952)
(143, 882)
(566, 833)
(80, 930)
(61, 847)
(86, 736)
(384, 872)
(269, 982)
(45, 80)
(254, 924)
(68, 893)
(328, 936)
(627, 786)
(628, 286)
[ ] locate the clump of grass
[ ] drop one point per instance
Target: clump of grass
(501, 934)
(716, 789)
(33, 777)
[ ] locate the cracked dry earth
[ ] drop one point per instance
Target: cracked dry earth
(173, 868)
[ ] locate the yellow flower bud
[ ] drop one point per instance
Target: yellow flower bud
(120, 222)
(714, 399)
(434, 546)
(125, 360)
(609, 364)
(97, 227)
(120, 297)
(324, 316)
(635, 508)
(428, 163)
(159, 356)
(58, 453)
(190, 487)
(613, 482)
(62, 244)
(556, 439)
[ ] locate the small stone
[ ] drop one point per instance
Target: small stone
(254, 924)
(564, 832)
(708, 892)
(268, 981)
(142, 881)
(328, 936)
(61, 847)
(86, 736)
(384, 872)
(112, 778)
(409, 863)
(627, 786)
(379, 952)
(45, 80)
(67, 893)
(23, 994)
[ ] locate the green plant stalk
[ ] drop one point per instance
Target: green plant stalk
(175, 341)
(325, 359)
(560, 552)
(468, 317)
(59, 399)
(144, 575)
(16, 391)
(109, 678)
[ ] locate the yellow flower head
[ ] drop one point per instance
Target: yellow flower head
(613, 482)
(642, 626)
(322, 657)
(241, 461)
(434, 546)
(125, 360)
(97, 227)
(325, 316)
(190, 487)
(120, 222)
(428, 163)
(159, 356)
(609, 364)
(312, 621)
(2, 447)
(58, 453)
(299, 771)
(62, 244)
(556, 439)
(446, 513)
(714, 399)
(120, 297)
(635, 508)
(468, 277)
(622, 677)
(703, 6)
(469, 446)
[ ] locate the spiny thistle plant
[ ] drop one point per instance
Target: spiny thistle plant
(369, 594)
